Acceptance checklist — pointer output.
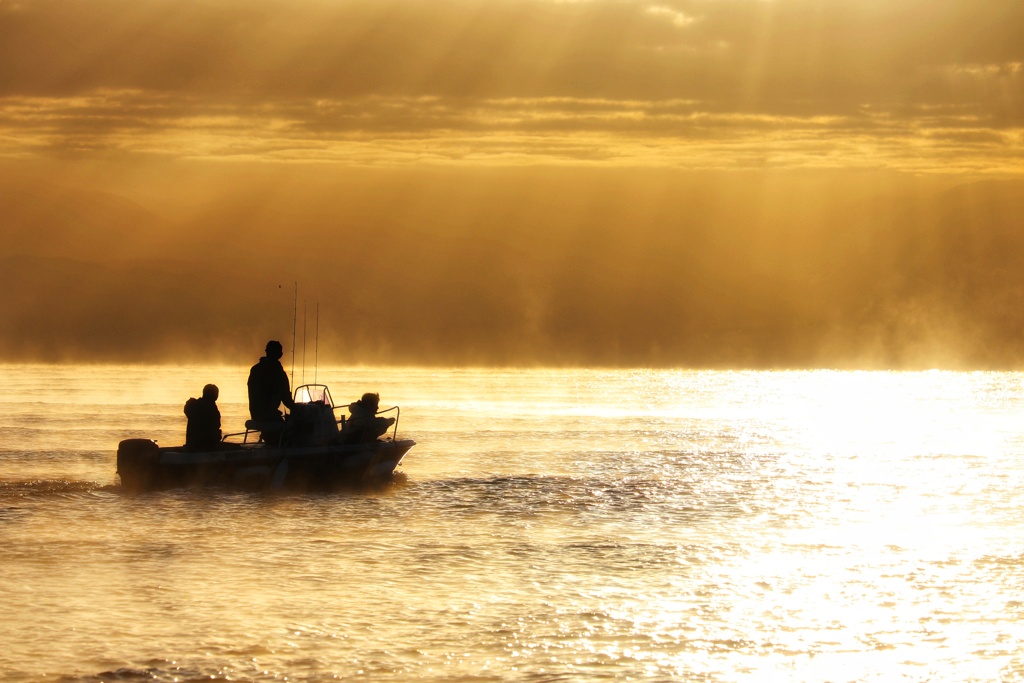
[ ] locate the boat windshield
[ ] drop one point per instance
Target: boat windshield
(313, 393)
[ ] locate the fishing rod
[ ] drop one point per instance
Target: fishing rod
(295, 315)
(304, 307)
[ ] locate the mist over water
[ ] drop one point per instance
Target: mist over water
(549, 525)
(513, 267)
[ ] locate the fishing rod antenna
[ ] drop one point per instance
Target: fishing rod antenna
(304, 307)
(295, 314)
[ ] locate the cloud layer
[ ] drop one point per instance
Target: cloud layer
(915, 85)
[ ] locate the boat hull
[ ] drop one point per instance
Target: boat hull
(142, 465)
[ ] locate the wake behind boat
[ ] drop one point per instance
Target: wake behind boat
(314, 449)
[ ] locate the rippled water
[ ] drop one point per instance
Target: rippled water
(549, 525)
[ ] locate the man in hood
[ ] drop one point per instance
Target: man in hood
(202, 432)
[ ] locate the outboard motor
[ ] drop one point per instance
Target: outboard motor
(137, 463)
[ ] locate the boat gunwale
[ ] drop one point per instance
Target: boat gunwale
(261, 451)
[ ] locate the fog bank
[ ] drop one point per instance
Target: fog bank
(509, 267)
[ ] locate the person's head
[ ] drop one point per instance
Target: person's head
(370, 400)
(211, 391)
(274, 350)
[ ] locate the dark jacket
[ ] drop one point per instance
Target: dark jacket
(363, 425)
(203, 428)
(268, 389)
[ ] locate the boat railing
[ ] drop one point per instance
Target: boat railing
(313, 393)
(257, 434)
(284, 433)
(244, 435)
(394, 427)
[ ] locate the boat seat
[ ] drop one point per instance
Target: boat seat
(264, 425)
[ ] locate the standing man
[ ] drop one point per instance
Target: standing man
(269, 387)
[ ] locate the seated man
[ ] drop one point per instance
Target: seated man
(202, 433)
(363, 425)
(268, 389)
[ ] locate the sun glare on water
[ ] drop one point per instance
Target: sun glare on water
(868, 559)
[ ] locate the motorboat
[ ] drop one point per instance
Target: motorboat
(311, 449)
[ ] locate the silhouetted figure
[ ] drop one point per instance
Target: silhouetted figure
(269, 388)
(363, 425)
(202, 432)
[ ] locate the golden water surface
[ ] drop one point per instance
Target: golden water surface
(550, 525)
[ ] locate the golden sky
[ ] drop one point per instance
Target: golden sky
(561, 181)
(918, 85)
